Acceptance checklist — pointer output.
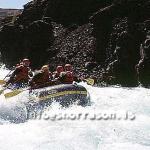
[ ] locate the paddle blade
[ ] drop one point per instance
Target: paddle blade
(1, 91)
(13, 93)
(2, 82)
(90, 81)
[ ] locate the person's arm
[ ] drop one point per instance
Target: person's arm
(62, 76)
(50, 76)
(60, 79)
(35, 78)
(16, 71)
(11, 79)
(30, 73)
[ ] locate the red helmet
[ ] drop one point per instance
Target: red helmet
(59, 69)
(26, 62)
(68, 67)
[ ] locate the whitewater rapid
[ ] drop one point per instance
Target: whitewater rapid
(80, 133)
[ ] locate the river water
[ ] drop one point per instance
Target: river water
(116, 119)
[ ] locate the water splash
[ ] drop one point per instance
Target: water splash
(67, 134)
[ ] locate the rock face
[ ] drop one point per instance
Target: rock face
(39, 36)
(142, 68)
(118, 39)
(73, 11)
(33, 41)
(106, 40)
(11, 38)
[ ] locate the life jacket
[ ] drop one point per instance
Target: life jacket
(22, 74)
(46, 77)
(41, 78)
(68, 78)
(55, 75)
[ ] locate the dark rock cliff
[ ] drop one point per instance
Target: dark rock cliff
(106, 40)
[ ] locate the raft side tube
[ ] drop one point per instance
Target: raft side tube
(65, 94)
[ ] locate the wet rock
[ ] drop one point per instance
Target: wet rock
(90, 65)
(39, 37)
(32, 42)
(11, 43)
(32, 11)
(73, 11)
(143, 67)
(108, 33)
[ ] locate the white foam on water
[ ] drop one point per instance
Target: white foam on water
(81, 134)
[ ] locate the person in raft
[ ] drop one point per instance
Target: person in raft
(41, 78)
(68, 76)
(21, 74)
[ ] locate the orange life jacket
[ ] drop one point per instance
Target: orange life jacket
(41, 78)
(69, 77)
(23, 73)
(46, 77)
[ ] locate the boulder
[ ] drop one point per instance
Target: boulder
(11, 43)
(17, 42)
(39, 37)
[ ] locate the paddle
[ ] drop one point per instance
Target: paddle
(14, 93)
(18, 91)
(89, 81)
(3, 81)
(1, 91)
